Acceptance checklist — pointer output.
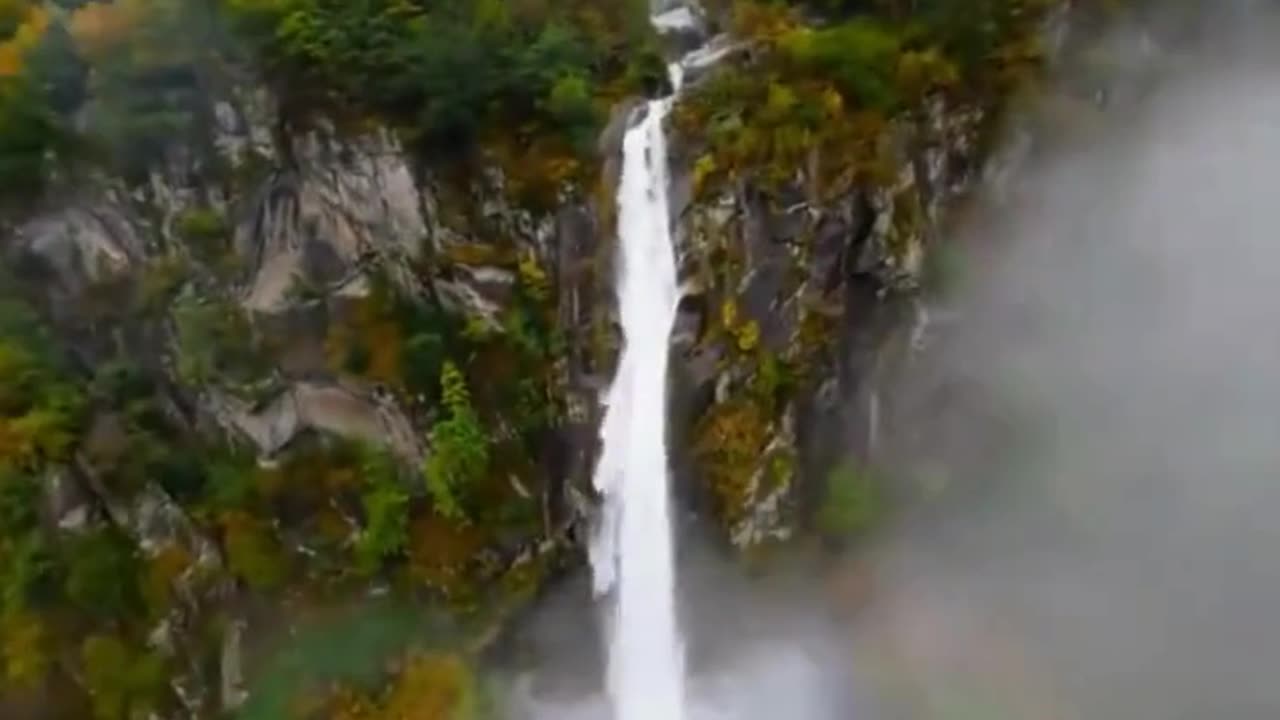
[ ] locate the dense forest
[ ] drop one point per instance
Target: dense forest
(141, 533)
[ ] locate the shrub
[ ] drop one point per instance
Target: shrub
(386, 511)
(206, 231)
(459, 453)
(860, 56)
(122, 682)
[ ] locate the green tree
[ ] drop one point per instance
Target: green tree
(386, 510)
(459, 453)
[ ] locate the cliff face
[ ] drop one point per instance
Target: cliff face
(808, 219)
(791, 297)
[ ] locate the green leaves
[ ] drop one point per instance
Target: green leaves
(459, 453)
(860, 56)
(450, 72)
(386, 511)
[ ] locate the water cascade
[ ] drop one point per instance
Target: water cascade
(632, 556)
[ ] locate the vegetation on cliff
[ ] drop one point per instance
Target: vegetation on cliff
(832, 113)
(120, 82)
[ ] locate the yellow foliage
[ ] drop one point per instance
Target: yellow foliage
(762, 22)
(533, 278)
(40, 434)
(478, 254)
(729, 313)
(729, 441)
(537, 166)
(14, 50)
(22, 643)
(432, 687)
(703, 169)
(163, 571)
(832, 102)
(12, 12)
(920, 71)
(749, 336)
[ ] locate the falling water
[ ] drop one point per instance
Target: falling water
(632, 555)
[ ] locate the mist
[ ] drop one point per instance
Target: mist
(1098, 407)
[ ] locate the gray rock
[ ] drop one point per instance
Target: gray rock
(83, 243)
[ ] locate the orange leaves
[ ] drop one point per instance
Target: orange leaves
(440, 551)
(100, 27)
(369, 342)
(13, 51)
(730, 438)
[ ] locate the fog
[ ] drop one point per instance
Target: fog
(1104, 399)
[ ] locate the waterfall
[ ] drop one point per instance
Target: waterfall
(632, 554)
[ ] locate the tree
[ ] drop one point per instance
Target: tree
(386, 511)
(459, 454)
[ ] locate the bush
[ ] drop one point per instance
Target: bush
(859, 56)
(206, 231)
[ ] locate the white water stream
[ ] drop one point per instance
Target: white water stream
(632, 556)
